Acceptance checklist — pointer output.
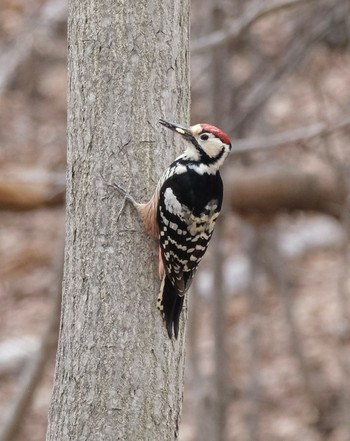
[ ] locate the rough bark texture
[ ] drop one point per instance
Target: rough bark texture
(118, 376)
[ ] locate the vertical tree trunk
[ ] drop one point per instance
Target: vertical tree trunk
(118, 376)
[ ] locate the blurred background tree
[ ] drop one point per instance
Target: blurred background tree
(268, 338)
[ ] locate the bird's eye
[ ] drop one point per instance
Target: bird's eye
(204, 137)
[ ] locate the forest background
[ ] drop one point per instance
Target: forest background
(269, 318)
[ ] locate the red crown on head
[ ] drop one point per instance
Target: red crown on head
(217, 132)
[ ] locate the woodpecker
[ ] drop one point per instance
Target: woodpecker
(182, 213)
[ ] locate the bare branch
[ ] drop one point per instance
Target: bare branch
(269, 190)
(11, 423)
(298, 135)
(15, 353)
(264, 190)
(253, 245)
(268, 81)
(238, 27)
(344, 317)
(220, 377)
(276, 268)
(52, 13)
(27, 188)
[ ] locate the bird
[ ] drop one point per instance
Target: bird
(182, 213)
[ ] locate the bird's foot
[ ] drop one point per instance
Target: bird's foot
(124, 193)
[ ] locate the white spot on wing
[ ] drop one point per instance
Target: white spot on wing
(164, 219)
(172, 204)
(173, 226)
(180, 169)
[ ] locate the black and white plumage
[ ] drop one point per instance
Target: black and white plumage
(189, 203)
(182, 213)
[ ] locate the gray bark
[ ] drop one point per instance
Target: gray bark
(118, 375)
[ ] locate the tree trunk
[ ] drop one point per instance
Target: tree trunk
(118, 375)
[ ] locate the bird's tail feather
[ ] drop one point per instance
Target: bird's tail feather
(170, 305)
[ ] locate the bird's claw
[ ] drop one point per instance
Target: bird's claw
(124, 193)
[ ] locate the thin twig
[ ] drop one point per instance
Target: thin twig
(298, 135)
(344, 318)
(51, 13)
(266, 85)
(30, 380)
(275, 266)
(254, 388)
(238, 27)
(343, 291)
(220, 353)
(199, 382)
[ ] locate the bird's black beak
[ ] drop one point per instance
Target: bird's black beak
(185, 132)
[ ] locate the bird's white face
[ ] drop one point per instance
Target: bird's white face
(207, 145)
(211, 145)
